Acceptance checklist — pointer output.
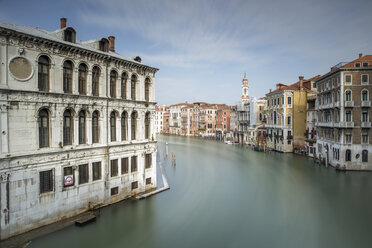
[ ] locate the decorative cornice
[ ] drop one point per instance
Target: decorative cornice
(69, 50)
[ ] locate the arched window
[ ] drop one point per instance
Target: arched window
(348, 155)
(364, 95)
(124, 79)
(133, 87)
(43, 122)
(113, 78)
(43, 73)
(260, 117)
(95, 127)
(113, 126)
(147, 125)
(67, 77)
(82, 123)
(67, 127)
(95, 80)
(365, 156)
(274, 117)
(133, 125)
(348, 95)
(124, 126)
(83, 79)
(147, 89)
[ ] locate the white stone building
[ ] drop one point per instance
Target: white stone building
(76, 126)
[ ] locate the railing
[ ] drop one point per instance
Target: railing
(325, 124)
(366, 104)
(344, 124)
(366, 124)
(349, 103)
(326, 106)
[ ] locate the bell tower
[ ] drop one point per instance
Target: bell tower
(245, 94)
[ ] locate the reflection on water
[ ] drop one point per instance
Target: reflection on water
(229, 196)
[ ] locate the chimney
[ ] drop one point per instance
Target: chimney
(63, 22)
(360, 55)
(277, 86)
(112, 43)
(270, 90)
(301, 82)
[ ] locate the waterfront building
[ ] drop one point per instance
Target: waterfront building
(250, 115)
(286, 115)
(76, 123)
(311, 119)
(223, 121)
(175, 118)
(344, 115)
(161, 120)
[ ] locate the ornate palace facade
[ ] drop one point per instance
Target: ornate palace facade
(76, 126)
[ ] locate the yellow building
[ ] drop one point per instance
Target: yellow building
(286, 115)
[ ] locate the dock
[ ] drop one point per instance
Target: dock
(85, 219)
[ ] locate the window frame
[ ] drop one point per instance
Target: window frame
(49, 184)
(44, 73)
(82, 79)
(83, 173)
(44, 131)
(68, 70)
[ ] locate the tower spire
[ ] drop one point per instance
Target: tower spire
(245, 94)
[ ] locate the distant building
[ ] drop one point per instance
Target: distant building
(250, 114)
(344, 115)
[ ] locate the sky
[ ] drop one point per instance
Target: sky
(203, 47)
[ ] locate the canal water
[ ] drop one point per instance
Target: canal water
(229, 196)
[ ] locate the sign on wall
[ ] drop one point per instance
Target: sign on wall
(69, 180)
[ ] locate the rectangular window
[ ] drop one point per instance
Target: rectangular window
(148, 161)
(97, 174)
(365, 79)
(114, 191)
(46, 181)
(68, 176)
(134, 185)
(348, 79)
(365, 64)
(365, 137)
(114, 167)
(133, 166)
(83, 173)
(124, 166)
(348, 137)
(148, 181)
(365, 116)
(357, 64)
(289, 100)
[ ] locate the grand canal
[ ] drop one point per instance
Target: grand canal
(229, 196)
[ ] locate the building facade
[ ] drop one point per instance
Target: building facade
(344, 115)
(77, 126)
(286, 121)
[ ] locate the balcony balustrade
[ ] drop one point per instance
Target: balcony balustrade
(349, 103)
(366, 124)
(344, 124)
(366, 104)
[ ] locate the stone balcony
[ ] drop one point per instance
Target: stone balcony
(344, 124)
(325, 124)
(349, 103)
(366, 104)
(366, 124)
(326, 106)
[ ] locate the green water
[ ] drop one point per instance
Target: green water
(228, 196)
